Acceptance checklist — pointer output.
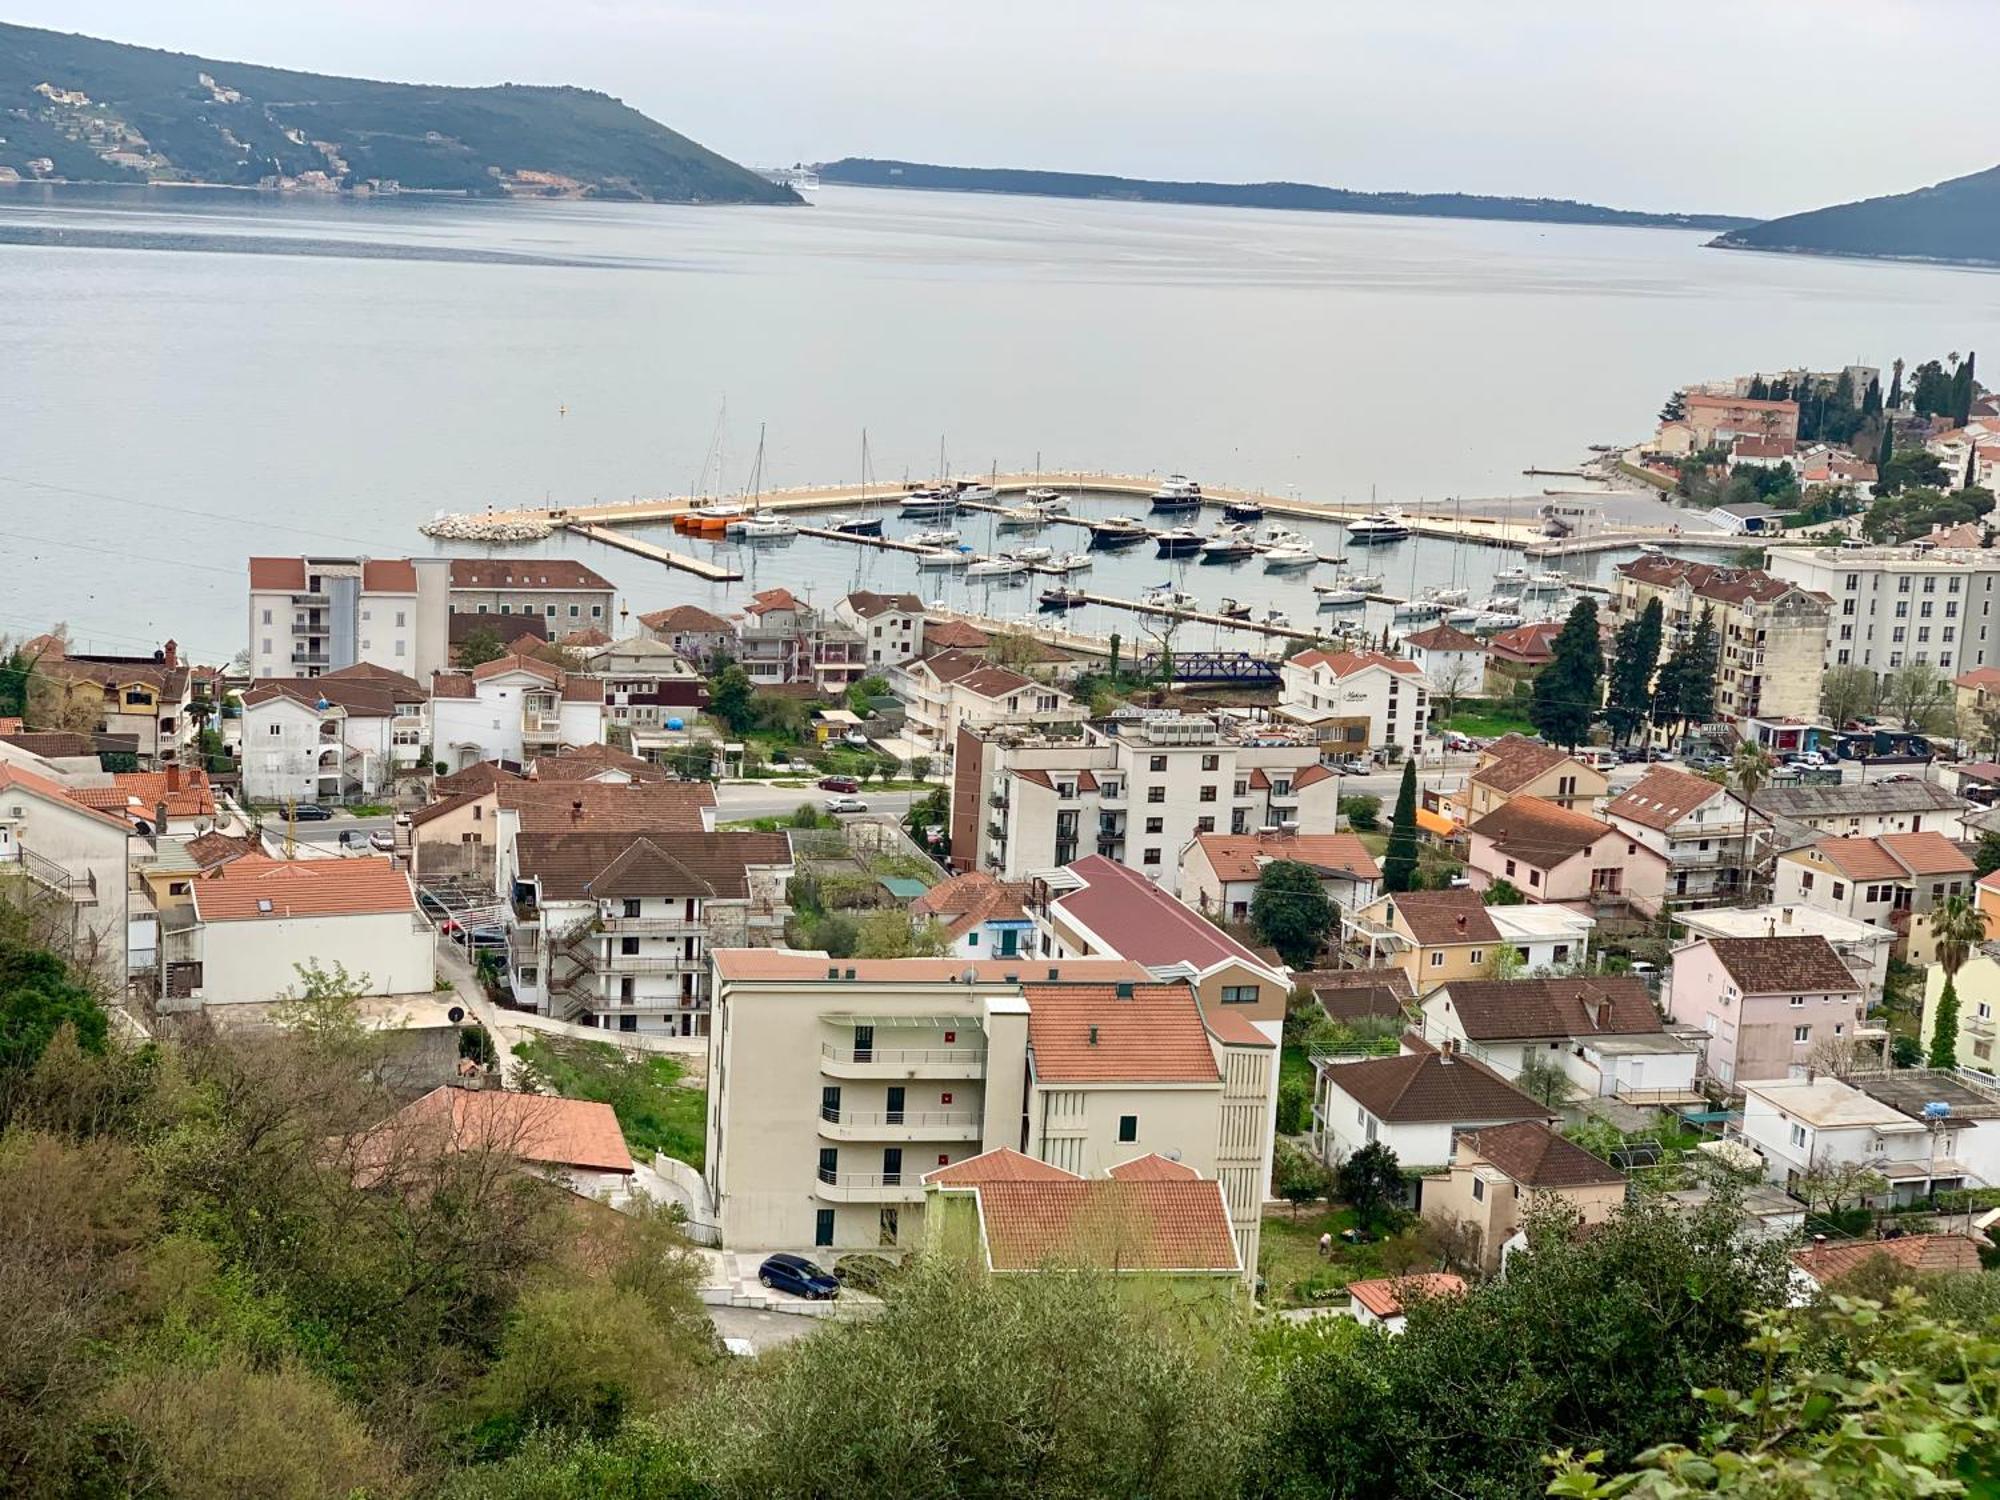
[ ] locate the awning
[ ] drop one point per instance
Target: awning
(923, 1023)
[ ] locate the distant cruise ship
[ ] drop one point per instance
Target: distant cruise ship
(799, 177)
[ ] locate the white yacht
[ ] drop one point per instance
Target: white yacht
(1035, 554)
(974, 489)
(1331, 597)
(1043, 498)
(946, 557)
(1178, 493)
(1496, 619)
(1276, 617)
(936, 536)
(1418, 609)
(935, 502)
(1287, 556)
(1021, 518)
(765, 529)
(1166, 596)
(1445, 596)
(1545, 584)
(1068, 562)
(1230, 542)
(1179, 541)
(1379, 529)
(996, 567)
(1515, 575)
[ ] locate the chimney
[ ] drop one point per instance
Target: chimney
(576, 811)
(173, 776)
(159, 821)
(1445, 1050)
(1460, 920)
(171, 656)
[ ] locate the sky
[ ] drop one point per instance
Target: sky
(1758, 107)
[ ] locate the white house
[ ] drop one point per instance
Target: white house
(1356, 701)
(319, 739)
(72, 851)
(1600, 1030)
(1703, 831)
(258, 920)
(512, 709)
(1803, 1125)
(958, 689)
(1415, 1104)
(1383, 1302)
(1453, 663)
(1220, 871)
(891, 626)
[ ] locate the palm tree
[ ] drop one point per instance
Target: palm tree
(1749, 769)
(1957, 927)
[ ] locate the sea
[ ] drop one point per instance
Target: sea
(188, 376)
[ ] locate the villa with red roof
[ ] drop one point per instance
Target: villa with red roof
(1893, 880)
(1561, 858)
(1220, 871)
(1356, 702)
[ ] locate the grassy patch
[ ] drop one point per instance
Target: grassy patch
(1376, 844)
(1295, 1274)
(370, 810)
(655, 1110)
(1487, 724)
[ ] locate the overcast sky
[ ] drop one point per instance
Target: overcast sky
(1756, 106)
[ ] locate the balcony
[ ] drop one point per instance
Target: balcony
(311, 601)
(902, 1062)
(541, 723)
(997, 800)
(871, 1187)
(657, 926)
(996, 829)
(80, 888)
(638, 963)
(310, 659)
(1111, 794)
(899, 1125)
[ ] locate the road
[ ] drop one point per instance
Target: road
(737, 800)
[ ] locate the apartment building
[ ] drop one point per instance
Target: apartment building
(613, 929)
(1803, 1125)
(1765, 1003)
(1977, 984)
(651, 691)
(1718, 420)
(1136, 788)
(1771, 632)
(1862, 946)
(1356, 702)
(143, 699)
(469, 833)
(512, 709)
(782, 639)
(565, 595)
(837, 1086)
(73, 852)
(1867, 809)
(349, 733)
(1893, 606)
(1895, 880)
(891, 625)
(1452, 662)
(957, 689)
(1708, 837)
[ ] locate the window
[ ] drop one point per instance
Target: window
(1156, 763)
(1208, 794)
(1798, 1001)
(1534, 877)
(628, 946)
(1476, 956)
(1156, 794)
(1802, 1033)
(1479, 1190)
(1156, 825)
(1437, 960)
(1204, 825)
(1128, 1128)
(1239, 994)
(277, 729)
(631, 908)
(1211, 762)
(1839, 890)
(574, 612)
(1510, 869)
(823, 1227)
(1799, 1136)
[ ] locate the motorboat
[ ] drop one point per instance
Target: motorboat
(995, 567)
(1166, 596)
(859, 526)
(1062, 598)
(1276, 617)
(1021, 518)
(766, 529)
(1545, 584)
(1181, 541)
(1462, 617)
(1515, 576)
(1418, 609)
(1287, 556)
(1379, 529)
(936, 536)
(1033, 554)
(1496, 619)
(1337, 598)
(1368, 583)
(973, 490)
(1230, 542)
(1243, 510)
(710, 520)
(935, 503)
(1178, 493)
(1045, 499)
(1117, 531)
(1234, 610)
(946, 557)
(1068, 562)
(1498, 603)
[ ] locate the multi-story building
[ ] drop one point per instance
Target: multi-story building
(1771, 634)
(692, 631)
(1600, 1030)
(960, 689)
(781, 639)
(512, 709)
(1514, 766)
(1135, 788)
(1893, 606)
(614, 929)
(1765, 1003)
(1453, 663)
(1862, 946)
(1800, 1126)
(1356, 702)
(1865, 809)
(141, 699)
(1417, 1104)
(348, 733)
(1977, 984)
(566, 595)
(1706, 834)
(1895, 880)
(1562, 858)
(836, 1086)
(891, 625)
(651, 692)
(1434, 937)
(1504, 1173)
(1220, 871)
(74, 852)
(1717, 421)
(469, 832)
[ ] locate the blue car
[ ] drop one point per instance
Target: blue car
(799, 1276)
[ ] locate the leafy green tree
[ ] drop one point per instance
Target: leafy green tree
(1944, 1027)
(1544, 1081)
(729, 698)
(1674, 408)
(1362, 811)
(1567, 691)
(1636, 656)
(1290, 911)
(1370, 1182)
(38, 997)
(1503, 892)
(480, 646)
(1846, 693)
(1986, 856)
(1918, 697)
(1399, 860)
(1294, 1106)
(1297, 1174)
(920, 767)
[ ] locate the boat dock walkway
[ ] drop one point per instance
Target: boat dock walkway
(713, 572)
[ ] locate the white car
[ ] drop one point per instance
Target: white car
(846, 805)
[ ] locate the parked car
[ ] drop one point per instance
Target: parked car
(382, 840)
(310, 812)
(797, 1275)
(1349, 768)
(846, 805)
(839, 784)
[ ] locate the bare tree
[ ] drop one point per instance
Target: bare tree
(1831, 1184)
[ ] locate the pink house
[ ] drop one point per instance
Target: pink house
(1562, 858)
(1766, 1003)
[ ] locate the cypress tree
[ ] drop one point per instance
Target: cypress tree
(1884, 451)
(1759, 391)
(1971, 466)
(1963, 389)
(1636, 655)
(1944, 1028)
(1871, 399)
(1698, 676)
(1399, 860)
(1896, 387)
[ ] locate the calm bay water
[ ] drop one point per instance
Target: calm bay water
(189, 378)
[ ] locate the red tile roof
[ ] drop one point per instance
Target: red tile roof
(1444, 638)
(767, 600)
(278, 575)
(1527, 643)
(12, 776)
(948, 634)
(991, 682)
(135, 794)
(685, 619)
(1147, 1225)
(785, 965)
(1440, 918)
(1135, 919)
(1234, 1029)
(966, 901)
(1923, 1253)
(1927, 853)
(211, 849)
(1347, 663)
(540, 1128)
(1708, 581)
(1242, 856)
(480, 776)
(389, 575)
(1086, 1033)
(1540, 832)
(607, 806)
(1384, 1296)
(257, 888)
(1893, 856)
(868, 605)
(1662, 797)
(1512, 761)
(1002, 1164)
(1152, 1167)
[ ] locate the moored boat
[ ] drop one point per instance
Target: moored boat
(1180, 541)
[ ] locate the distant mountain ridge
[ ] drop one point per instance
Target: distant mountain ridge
(77, 109)
(870, 172)
(1956, 221)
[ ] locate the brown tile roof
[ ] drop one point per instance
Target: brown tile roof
(585, 761)
(590, 635)
(966, 901)
(685, 619)
(507, 629)
(708, 866)
(1242, 856)
(211, 849)
(1540, 832)
(1234, 1029)
(453, 685)
(1708, 581)
(1134, 918)
(1527, 643)
(1494, 1010)
(1084, 1033)
(12, 776)
(50, 744)
(1312, 775)
(1432, 1089)
(1978, 677)
(949, 666)
(1383, 1296)
(1349, 995)
(1662, 797)
(534, 666)
(1347, 663)
(365, 696)
(389, 575)
(1512, 761)
(1922, 1253)
(1439, 918)
(525, 573)
(868, 605)
(950, 634)
(256, 888)
(1444, 638)
(608, 806)
(540, 1128)
(1535, 1156)
(135, 794)
(1784, 965)
(994, 682)
(1152, 1167)
(1124, 1226)
(764, 601)
(1001, 1164)
(480, 776)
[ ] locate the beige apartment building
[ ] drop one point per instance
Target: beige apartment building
(836, 1085)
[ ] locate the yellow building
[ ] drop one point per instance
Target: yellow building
(1502, 1172)
(1513, 767)
(1978, 986)
(1434, 937)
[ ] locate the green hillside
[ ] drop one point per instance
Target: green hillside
(80, 110)
(1957, 220)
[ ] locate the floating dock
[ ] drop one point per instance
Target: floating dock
(713, 572)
